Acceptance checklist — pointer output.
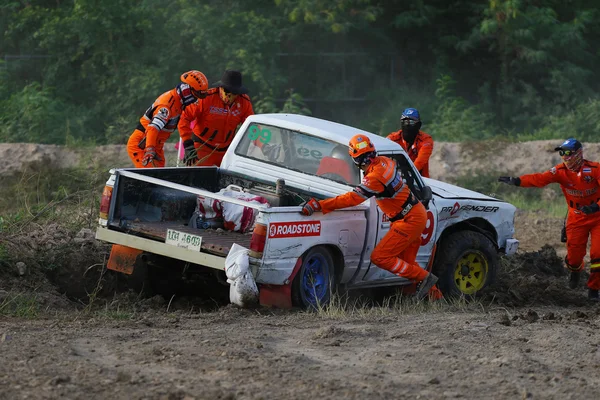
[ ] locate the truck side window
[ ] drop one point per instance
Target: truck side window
(300, 152)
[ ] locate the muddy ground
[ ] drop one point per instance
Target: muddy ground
(63, 336)
(528, 337)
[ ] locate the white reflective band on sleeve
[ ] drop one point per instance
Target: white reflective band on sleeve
(158, 123)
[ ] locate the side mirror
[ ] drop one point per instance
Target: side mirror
(426, 194)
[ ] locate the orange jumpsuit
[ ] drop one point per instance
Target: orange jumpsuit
(580, 188)
(154, 128)
(215, 126)
(419, 152)
(397, 251)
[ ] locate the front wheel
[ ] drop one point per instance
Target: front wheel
(313, 284)
(466, 262)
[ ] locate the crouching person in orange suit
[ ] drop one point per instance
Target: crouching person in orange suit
(579, 180)
(397, 251)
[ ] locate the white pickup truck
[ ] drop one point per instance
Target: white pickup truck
(296, 260)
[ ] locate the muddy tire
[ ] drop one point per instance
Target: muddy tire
(313, 284)
(466, 262)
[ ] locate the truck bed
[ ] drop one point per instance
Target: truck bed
(214, 241)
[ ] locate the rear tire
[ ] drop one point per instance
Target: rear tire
(466, 262)
(313, 284)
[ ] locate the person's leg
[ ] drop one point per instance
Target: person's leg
(403, 238)
(577, 236)
(594, 280)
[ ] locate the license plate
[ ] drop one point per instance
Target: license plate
(184, 240)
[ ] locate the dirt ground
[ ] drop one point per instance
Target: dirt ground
(526, 337)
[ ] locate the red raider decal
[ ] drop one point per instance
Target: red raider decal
(294, 229)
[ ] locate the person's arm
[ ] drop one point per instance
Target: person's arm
(187, 116)
(349, 199)
(368, 188)
(160, 117)
(539, 179)
(594, 207)
(425, 151)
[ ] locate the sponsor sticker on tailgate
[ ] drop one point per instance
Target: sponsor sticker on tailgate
(294, 229)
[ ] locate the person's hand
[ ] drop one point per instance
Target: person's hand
(509, 180)
(191, 156)
(149, 156)
(310, 207)
(587, 210)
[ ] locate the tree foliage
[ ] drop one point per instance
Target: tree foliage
(76, 71)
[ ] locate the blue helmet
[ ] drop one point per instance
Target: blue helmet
(569, 144)
(411, 113)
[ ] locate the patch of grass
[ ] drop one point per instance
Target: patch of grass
(20, 305)
(341, 307)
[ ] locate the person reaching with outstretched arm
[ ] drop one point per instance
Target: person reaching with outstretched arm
(579, 180)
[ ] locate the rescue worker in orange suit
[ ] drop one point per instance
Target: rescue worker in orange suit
(146, 145)
(579, 180)
(216, 119)
(397, 251)
(415, 142)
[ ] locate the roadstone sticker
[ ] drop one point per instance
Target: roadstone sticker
(184, 240)
(294, 229)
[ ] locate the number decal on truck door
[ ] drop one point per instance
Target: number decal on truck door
(428, 231)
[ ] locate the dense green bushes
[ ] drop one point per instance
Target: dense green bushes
(80, 71)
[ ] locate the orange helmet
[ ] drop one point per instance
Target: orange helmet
(197, 82)
(361, 150)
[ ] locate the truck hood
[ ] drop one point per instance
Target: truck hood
(448, 191)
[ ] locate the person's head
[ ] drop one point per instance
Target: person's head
(410, 122)
(361, 150)
(193, 86)
(571, 152)
(230, 86)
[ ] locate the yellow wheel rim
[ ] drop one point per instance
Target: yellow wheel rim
(471, 272)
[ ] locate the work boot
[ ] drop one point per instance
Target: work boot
(574, 280)
(424, 286)
(593, 295)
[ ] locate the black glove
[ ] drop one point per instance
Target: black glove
(310, 207)
(191, 156)
(587, 210)
(509, 180)
(150, 156)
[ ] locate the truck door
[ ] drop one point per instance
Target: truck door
(416, 183)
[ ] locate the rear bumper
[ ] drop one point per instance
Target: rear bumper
(512, 245)
(163, 249)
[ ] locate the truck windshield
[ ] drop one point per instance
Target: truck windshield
(299, 152)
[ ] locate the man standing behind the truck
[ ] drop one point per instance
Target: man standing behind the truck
(415, 142)
(146, 144)
(579, 179)
(397, 251)
(216, 119)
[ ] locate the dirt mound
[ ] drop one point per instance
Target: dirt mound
(54, 266)
(534, 278)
